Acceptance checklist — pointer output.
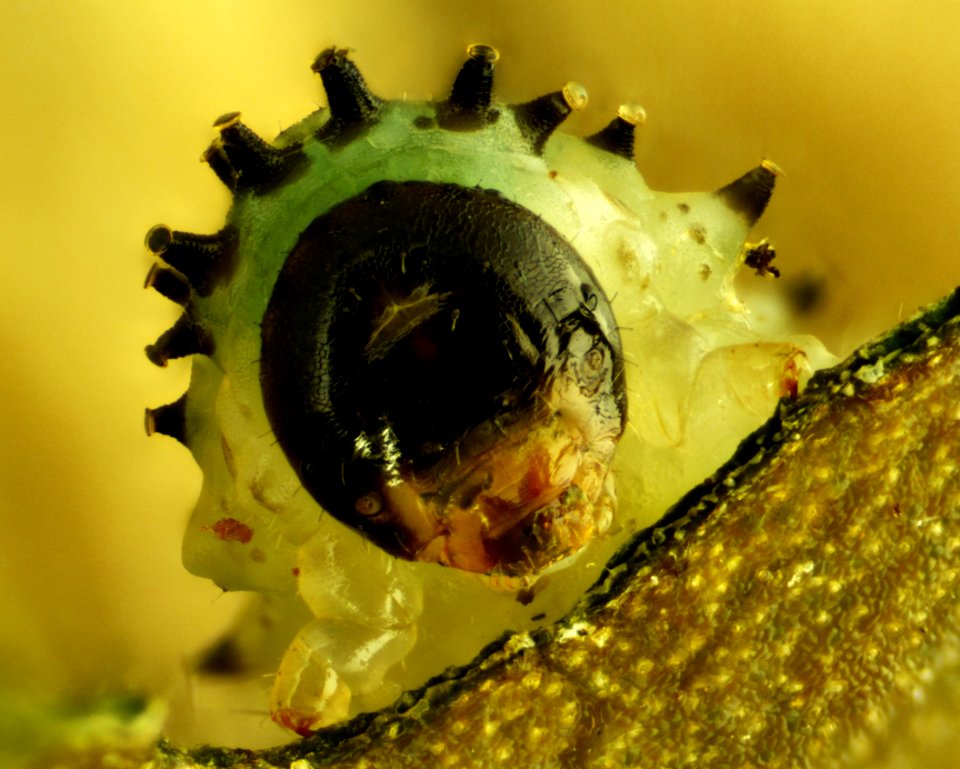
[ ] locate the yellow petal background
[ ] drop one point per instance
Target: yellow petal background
(107, 106)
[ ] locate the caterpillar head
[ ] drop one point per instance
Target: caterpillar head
(444, 373)
(405, 323)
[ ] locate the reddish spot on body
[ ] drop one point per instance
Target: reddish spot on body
(790, 383)
(231, 530)
(291, 719)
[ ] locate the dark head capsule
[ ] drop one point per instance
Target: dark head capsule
(444, 374)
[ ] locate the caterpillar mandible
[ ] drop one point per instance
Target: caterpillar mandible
(417, 341)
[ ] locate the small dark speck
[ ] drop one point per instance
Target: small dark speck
(525, 597)
(699, 234)
(553, 174)
(806, 293)
(424, 122)
(684, 208)
(760, 257)
(222, 659)
(538, 617)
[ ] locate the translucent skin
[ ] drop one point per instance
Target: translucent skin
(804, 596)
(698, 373)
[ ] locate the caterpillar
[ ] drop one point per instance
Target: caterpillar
(445, 359)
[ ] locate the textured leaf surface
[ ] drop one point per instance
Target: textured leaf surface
(783, 612)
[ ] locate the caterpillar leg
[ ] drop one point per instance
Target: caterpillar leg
(329, 665)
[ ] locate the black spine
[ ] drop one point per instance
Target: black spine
(217, 159)
(185, 337)
(258, 165)
(204, 260)
(539, 118)
(619, 134)
(750, 194)
(468, 107)
(352, 105)
(170, 419)
(168, 283)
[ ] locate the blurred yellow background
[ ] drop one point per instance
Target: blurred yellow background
(108, 105)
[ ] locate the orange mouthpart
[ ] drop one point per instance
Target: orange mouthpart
(534, 498)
